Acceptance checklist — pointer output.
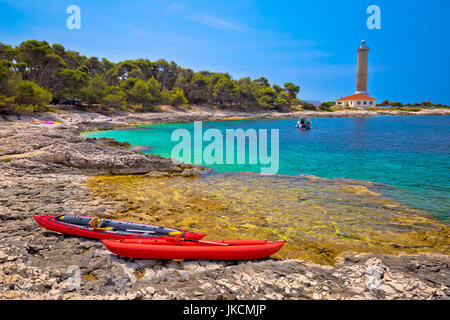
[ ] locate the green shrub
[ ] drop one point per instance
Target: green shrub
(29, 93)
(5, 103)
(395, 104)
(114, 100)
(137, 107)
(23, 109)
(308, 106)
(174, 97)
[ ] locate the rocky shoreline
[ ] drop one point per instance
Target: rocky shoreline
(196, 113)
(44, 169)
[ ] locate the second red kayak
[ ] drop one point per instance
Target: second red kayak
(193, 249)
(109, 229)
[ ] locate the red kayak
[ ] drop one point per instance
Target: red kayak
(186, 249)
(109, 229)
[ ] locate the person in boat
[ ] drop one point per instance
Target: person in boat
(301, 123)
(304, 124)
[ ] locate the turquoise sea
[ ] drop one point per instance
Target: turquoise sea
(409, 157)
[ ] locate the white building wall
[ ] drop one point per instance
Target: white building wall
(354, 103)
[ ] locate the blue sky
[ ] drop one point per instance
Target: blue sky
(310, 43)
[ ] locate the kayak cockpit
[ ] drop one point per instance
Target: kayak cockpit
(117, 226)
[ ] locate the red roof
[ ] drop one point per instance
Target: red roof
(356, 97)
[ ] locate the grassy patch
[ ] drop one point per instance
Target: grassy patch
(411, 109)
(377, 109)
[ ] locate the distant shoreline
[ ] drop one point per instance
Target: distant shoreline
(91, 121)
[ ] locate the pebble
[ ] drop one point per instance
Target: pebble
(316, 296)
(387, 290)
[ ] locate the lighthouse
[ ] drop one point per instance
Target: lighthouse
(361, 97)
(361, 71)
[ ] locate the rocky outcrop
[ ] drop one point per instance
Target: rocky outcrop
(62, 150)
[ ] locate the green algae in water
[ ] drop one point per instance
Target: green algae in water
(320, 218)
(411, 154)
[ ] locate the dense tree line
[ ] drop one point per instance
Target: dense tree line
(425, 104)
(34, 73)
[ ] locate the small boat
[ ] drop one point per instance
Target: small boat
(109, 229)
(303, 124)
(188, 249)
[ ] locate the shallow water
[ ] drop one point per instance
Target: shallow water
(320, 218)
(398, 202)
(410, 154)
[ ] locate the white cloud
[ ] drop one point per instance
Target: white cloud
(217, 23)
(162, 37)
(175, 7)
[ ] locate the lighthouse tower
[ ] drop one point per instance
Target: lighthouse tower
(361, 97)
(361, 73)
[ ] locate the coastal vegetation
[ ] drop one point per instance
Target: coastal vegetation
(415, 106)
(35, 74)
